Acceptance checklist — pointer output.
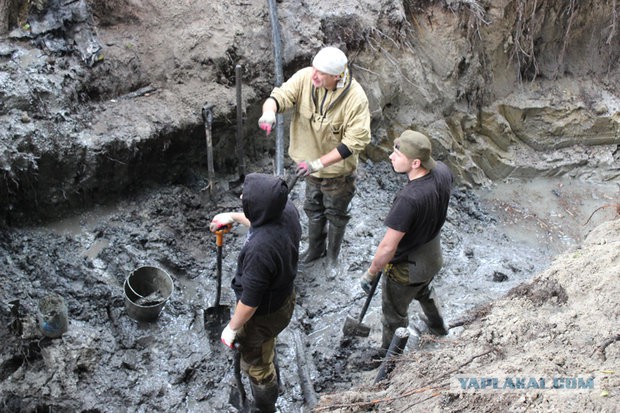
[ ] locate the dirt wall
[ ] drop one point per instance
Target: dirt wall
(458, 71)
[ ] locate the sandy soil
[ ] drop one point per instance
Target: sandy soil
(561, 327)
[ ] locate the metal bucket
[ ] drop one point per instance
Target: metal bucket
(147, 289)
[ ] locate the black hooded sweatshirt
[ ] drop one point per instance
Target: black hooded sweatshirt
(267, 263)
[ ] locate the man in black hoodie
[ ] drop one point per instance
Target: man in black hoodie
(263, 283)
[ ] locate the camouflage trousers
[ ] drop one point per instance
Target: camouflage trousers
(329, 198)
(257, 341)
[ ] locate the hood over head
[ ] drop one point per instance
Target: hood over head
(264, 198)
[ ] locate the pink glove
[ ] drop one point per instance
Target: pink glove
(267, 122)
(228, 336)
(266, 127)
(308, 167)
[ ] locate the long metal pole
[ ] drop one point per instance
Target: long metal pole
(207, 116)
(240, 151)
(277, 57)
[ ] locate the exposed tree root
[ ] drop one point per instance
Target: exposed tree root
(617, 206)
(432, 385)
(601, 349)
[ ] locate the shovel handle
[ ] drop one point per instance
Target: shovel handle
(298, 175)
(219, 234)
(373, 287)
(219, 240)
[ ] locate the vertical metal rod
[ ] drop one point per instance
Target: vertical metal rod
(240, 151)
(399, 341)
(277, 57)
(207, 116)
(279, 144)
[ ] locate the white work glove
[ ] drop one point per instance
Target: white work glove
(221, 220)
(366, 281)
(308, 167)
(267, 122)
(228, 336)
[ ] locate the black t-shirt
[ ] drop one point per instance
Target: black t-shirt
(419, 210)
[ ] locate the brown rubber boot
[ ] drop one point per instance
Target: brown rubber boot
(386, 337)
(316, 240)
(265, 396)
(335, 235)
(434, 320)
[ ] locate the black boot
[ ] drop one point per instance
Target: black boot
(316, 240)
(335, 236)
(276, 364)
(265, 396)
(430, 305)
(386, 337)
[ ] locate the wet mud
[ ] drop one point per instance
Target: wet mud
(107, 361)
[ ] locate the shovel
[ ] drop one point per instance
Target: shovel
(296, 177)
(353, 327)
(217, 317)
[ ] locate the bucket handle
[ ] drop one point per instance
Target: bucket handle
(132, 290)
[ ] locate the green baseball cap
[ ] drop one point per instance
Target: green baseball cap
(415, 145)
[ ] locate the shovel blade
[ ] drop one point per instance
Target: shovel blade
(353, 327)
(216, 319)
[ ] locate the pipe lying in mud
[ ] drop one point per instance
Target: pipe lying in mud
(310, 398)
(399, 341)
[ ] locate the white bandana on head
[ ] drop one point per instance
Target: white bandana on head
(330, 60)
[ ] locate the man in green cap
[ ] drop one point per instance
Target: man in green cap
(410, 251)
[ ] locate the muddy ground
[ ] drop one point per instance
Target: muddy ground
(104, 170)
(107, 361)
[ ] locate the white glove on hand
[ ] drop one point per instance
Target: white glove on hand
(228, 336)
(221, 220)
(366, 281)
(267, 122)
(308, 167)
